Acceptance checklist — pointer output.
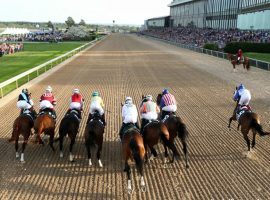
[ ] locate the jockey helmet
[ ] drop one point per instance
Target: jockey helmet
(76, 91)
(241, 87)
(165, 91)
(49, 89)
(149, 97)
(128, 100)
(25, 91)
(94, 94)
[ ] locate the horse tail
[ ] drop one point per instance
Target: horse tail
(254, 124)
(182, 131)
(136, 155)
(248, 64)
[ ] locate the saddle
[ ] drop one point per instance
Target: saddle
(97, 116)
(241, 111)
(47, 111)
(75, 113)
(151, 121)
(171, 114)
(28, 113)
(128, 127)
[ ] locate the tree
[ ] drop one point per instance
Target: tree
(82, 23)
(70, 22)
(50, 25)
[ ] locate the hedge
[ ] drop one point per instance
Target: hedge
(247, 47)
(211, 46)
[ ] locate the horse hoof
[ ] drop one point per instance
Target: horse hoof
(100, 163)
(143, 188)
(187, 166)
(90, 162)
(61, 155)
(17, 155)
(71, 158)
(130, 191)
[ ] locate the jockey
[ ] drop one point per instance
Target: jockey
(24, 100)
(96, 105)
(129, 115)
(47, 100)
(167, 104)
(243, 97)
(239, 55)
(149, 111)
(76, 101)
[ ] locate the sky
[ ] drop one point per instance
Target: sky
(92, 11)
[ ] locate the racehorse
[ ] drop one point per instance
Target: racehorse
(245, 61)
(176, 127)
(69, 125)
(45, 124)
(94, 135)
(133, 148)
(248, 120)
(153, 132)
(22, 126)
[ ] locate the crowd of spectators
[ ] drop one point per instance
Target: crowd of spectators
(33, 37)
(6, 48)
(199, 36)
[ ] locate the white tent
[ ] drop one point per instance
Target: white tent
(15, 31)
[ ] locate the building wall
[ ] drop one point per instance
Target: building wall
(156, 22)
(183, 14)
(254, 20)
(218, 14)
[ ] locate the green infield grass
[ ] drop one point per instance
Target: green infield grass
(259, 56)
(33, 55)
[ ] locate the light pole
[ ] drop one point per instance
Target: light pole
(113, 26)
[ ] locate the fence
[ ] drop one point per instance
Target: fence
(253, 62)
(15, 82)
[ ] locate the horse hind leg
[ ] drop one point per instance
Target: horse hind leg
(61, 140)
(253, 139)
(71, 157)
(99, 153)
(52, 140)
(127, 170)
(184, 143)
(247, 140)
(17, 147)
(87, 145)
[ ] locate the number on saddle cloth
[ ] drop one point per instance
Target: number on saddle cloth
(241, 112)
(128, 127)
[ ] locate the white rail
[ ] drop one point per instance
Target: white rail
(37, 68)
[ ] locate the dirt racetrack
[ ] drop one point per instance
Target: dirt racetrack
(126, 65)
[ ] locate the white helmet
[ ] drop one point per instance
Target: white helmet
(149, 97)
(76, 91)
(128, 100)
(49, 89)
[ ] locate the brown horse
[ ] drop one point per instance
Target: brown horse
(133, 148)
(233, 59)
(69, 126)
(94, 135)
(45, 124)
(176, 127)
(248, 121)
(153, 132)
(22, 126)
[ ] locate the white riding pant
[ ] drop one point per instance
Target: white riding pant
(149, 116)
(75, 105)
(45, 104)
(95, 106)
(245, 98)
(130, 119)
(170, 108)
(23, 105)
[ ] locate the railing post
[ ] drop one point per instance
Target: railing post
(28, 78)
(17, 83)
(268, 66)
(2, 94)
(37, 73)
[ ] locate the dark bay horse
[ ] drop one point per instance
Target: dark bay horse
(153, 132)
(176, 127)
(133, 148)
(248, 121)
(94, 135)
(22, 126)
(245, 62)
(69, 125)
(45, 124)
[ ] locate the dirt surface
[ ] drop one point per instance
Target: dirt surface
(125, 65)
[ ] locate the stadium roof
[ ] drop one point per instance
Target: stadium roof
(178, 2)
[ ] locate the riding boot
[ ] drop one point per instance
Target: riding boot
(54, 114)
(103, 119)
(121, 131)
(137, 125)
(89, 118)
(144, 122)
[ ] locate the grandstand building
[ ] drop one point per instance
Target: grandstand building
(221, 14)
